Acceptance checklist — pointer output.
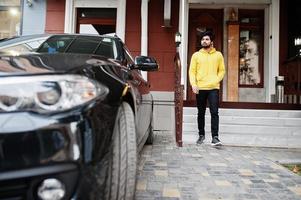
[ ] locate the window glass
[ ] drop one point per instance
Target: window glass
(81, 44)
(107, 48)
(10, 18)
(34, 44)
(128, 57)
(56, 44)
(85, 45)
(249, 57)
(251, 48)
(250, 20)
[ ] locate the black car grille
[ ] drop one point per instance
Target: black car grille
(13, 190)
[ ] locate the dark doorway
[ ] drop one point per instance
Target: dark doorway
(96, 20)
(290, 49)
(200, 20)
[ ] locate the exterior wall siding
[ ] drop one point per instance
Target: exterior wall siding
(162, 45)
(55, 12)
(133, 27)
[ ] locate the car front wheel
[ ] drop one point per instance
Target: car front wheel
(121, 180)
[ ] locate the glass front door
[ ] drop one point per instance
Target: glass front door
(245, 81)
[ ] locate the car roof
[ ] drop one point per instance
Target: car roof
(23, 39)
(84, 35)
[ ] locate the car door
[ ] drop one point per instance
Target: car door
(143, 99)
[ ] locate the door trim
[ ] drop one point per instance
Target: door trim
(72, 5)
(213, 18)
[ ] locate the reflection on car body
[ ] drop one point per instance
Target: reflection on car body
(73, 119)
(22, 44)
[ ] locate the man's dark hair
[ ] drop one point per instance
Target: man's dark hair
(208, 33)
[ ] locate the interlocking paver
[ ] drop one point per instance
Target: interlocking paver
(202, 172)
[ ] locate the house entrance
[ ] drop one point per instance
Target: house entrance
(199, 21)
(96, 20)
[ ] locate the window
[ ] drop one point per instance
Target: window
(251, 48)
(10, 18)
(107, 48)
(84, 45)
(56, 44)
(103, 46)
(35, 44)
(128, 57)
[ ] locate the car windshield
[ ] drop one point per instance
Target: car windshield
(104, 46)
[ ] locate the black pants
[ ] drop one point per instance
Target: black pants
(213, 99)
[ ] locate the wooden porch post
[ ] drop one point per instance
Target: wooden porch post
(178, 100)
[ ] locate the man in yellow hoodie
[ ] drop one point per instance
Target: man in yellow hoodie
(206, 71)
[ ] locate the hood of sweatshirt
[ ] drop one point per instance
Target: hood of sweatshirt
(212, 50)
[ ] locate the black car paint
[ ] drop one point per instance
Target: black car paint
(78, 138)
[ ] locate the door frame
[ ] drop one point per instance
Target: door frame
(271, 50)
(93, 20)
(211, 13)
(71, 15)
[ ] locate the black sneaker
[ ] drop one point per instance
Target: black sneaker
(200, 140)
(216, 141)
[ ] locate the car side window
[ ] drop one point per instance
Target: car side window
(35, 44)
(107, 48)
(56, 44)
(84, 45)
(128, 57)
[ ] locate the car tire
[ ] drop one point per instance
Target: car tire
(150, 138)
(121, 181)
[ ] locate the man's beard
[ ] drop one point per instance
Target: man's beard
(206, 46)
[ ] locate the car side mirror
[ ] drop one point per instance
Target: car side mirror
(146, 63)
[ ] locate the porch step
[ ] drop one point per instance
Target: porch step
(265, 121)
(249, 127)
(246, 129)
(249, 112)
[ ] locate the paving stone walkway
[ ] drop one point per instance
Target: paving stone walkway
(207, 173)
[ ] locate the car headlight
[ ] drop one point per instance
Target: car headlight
(48, 93)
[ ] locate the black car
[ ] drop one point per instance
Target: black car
(73, 116)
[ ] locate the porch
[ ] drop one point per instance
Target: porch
(248, 127)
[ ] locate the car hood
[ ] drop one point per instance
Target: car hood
(48, 63)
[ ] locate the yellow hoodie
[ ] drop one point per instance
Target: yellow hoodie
(206, 69)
